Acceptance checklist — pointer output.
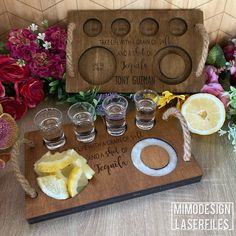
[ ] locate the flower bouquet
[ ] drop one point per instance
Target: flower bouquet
(220, 80)
(32, 67)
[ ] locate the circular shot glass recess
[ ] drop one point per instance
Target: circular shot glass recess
(139, 164)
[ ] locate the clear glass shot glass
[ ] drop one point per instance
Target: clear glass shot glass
(49, 121)
(115, 107)
(82, 115)
(146, 103)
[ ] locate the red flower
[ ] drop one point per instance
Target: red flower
(14, 107)
(32, 92)
(2, 90)
(229, 51)
(10, 71)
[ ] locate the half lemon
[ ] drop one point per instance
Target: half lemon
(204, 113)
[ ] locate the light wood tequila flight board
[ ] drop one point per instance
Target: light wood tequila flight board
(116, 178)
(128, 50)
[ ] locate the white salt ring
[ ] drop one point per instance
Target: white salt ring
(138, 163)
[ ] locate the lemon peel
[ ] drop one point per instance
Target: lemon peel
(77, 180)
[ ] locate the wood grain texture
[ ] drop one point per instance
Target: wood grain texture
(129, 50)
(149, 215)
(56, 11)
(116, 178)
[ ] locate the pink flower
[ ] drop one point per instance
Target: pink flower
(229, 51)
(232, 70)
(212, 88)
(210, 74)
(32, 92)
(212, 85)
(57, 37)
(22, 44)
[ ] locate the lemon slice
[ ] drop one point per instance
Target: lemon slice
(53, 187)
(80, 161)
(54, 162)
(77, 181)
(88, 171)
(204, 113)
(43, 158)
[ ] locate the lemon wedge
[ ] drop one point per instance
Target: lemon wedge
(53, 187)
(204, 113)
(77, 180)
(43, 158)
(62, 174)
(54, 162)
(88, 171)
(80, 161)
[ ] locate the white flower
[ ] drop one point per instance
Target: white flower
(222, 132)
(41, 36)
(47, 45)
(233, 41)
(33, 27)
(20, 62)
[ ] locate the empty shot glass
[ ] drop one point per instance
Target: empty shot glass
(82, 115)
(49, 121)
(146, 103)
(115, 107)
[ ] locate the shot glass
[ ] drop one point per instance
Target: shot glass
(115, 107)
(49, 121)
(82, 116)
(146, 103)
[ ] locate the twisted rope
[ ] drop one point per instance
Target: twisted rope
(187, 138)
(69, 58)
(19, 176)
(201, 29)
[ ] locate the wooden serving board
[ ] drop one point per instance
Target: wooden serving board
(128, 50)
(116, 178)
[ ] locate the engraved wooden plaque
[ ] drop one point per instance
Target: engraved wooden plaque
(128, 50)
(116, 178)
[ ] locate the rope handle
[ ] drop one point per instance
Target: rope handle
(19, 176)
(205, 38)
(69, 57)
(187, 138)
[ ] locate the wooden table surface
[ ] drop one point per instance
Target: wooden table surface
(149, 215)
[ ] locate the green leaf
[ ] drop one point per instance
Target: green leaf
(95, 102)
(45, 23)
(60, 93)
(71, 99)
(3, 49)
(52, 90)
(216, 56)
(53, 83)
(49, 78)
(224, 80)
(81, 93)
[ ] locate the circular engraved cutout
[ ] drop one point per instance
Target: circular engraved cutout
(155, 157)
(177, 26)
(120, 27)
(148, 27)
(137, 159)
(172, 65)
(97, 65)
(92, 27)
